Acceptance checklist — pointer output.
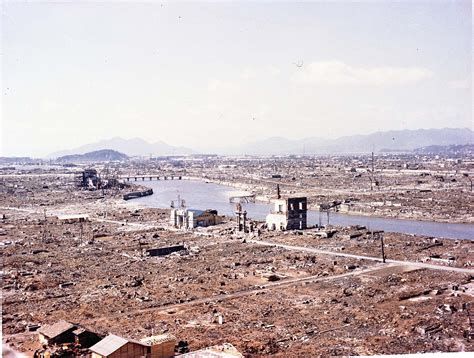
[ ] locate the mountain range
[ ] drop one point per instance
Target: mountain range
(103, 155)
(131, 147)
(401, 140)
(389, 141)
(454, 150)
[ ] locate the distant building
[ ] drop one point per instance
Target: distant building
(163, 251)
(90, 179)
(73, 218)
(288, 214)
(190, 218)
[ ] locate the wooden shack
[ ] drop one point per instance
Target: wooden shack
(161, 346)
(58, 333)
(118, 347)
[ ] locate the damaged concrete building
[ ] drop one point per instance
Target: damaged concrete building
(190, 218)
(288, 214)
(90, 179)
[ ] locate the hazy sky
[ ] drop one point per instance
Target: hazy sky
(205, 75)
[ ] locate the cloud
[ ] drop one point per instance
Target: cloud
(339, 73)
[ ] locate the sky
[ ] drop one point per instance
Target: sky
(208, 75)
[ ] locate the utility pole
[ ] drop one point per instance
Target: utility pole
(372, 162)
(382, 247)
(45, 224)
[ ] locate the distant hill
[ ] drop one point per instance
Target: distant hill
(466, 149)
(104, 155)
(403, 140)
(389, 141)
(131, 147)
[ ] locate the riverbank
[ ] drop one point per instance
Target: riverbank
(201, 195)
(137, 194)
(375, 211)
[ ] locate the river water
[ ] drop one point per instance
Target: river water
(200, 195)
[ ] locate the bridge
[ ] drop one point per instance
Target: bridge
(138, 177)
(242, 199)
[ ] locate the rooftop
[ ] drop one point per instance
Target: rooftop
(162, 338)
(225, 350)
(54, 330)
(108, 345)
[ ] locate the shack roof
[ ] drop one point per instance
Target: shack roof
(54, 330)
(108, 345)
(225, 350)
(162, 338)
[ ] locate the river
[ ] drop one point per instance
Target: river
(201, 195)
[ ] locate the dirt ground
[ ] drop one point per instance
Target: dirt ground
(272, 301)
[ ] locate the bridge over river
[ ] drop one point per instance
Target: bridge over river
(149, 177)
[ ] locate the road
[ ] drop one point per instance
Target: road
(361, 257)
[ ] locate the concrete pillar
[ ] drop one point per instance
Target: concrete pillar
(245, 220)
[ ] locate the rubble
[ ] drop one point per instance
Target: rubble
(218, 284)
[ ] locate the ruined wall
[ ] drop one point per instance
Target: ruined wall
(297, 214)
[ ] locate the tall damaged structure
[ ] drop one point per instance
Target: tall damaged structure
(90, 179)
(288, 214)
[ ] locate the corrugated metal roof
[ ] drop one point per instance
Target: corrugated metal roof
(225, 350)
(162, 338)
(108, 345)
(54, 330)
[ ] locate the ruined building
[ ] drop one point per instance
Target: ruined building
(288, 214)
(90, 179)
(183, 218)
